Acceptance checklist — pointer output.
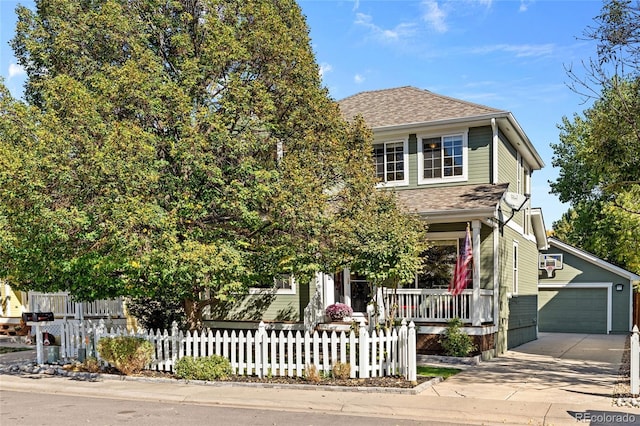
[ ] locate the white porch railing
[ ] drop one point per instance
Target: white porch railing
(438, 305)
(62, 306)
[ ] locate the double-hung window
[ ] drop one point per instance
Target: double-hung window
(391, 162)
(442, 158)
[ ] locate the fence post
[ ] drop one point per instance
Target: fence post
(635, 361)
(411, 353)
(402, 348)
(364, 352)
(174, 345)
(261, 356)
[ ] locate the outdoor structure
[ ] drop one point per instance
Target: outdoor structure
(459, 166)
(581, 293)
(13, 303)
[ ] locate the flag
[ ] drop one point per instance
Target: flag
(462, 272)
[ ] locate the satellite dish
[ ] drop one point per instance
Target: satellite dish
(514, 200)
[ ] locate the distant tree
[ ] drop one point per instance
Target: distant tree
(599, 151)
(180, 147)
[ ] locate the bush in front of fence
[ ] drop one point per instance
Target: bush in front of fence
(128, 354)
(213, 367)
(455, 342)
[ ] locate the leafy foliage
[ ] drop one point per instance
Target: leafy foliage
(455, 342)
(213, 367)
(599, 151)
(128, 354)
(145, 161)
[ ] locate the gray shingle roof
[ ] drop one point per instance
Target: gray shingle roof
(446, 199)
(408, 105)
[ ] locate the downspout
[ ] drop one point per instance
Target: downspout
(494, 151)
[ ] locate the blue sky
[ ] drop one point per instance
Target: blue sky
(509, 55)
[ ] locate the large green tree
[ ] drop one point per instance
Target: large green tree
(181, 146)
(599, 151)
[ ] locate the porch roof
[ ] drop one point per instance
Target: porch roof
(467, 200)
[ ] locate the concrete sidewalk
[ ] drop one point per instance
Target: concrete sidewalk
(424, 407)
(538, 383)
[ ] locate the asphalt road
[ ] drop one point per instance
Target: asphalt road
(33, 409)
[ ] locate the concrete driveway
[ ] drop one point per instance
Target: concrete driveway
(556, 368)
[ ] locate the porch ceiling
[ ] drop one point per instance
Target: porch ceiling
(468, 200)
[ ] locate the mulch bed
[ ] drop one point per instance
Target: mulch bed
(381, 382)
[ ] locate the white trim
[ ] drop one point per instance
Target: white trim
(471, 331)
(595, 260)
(475, 299)
(405, 162)
(595, 285)
(494, 150)
(496, 273)
(515, 268)
(273, 290)
(465, 158)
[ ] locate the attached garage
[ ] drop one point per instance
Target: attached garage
(584, 294)
(573, 310)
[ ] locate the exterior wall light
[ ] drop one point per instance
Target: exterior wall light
(619, 287)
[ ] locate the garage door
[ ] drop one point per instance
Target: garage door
(572, 310)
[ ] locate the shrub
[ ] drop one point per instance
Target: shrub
(126, 353)
(341, 370)
(338, 311)
(208, 368)
(311, 374)
(455, 342)
(91, 365)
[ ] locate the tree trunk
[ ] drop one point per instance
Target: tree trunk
(193, 314)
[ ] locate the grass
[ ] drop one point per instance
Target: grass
(7, 349)
(443, 372)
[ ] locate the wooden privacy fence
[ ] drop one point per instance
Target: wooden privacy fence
(261, 352)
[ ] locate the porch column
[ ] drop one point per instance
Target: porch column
(328, 289)
(475, 300)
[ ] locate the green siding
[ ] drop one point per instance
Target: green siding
(479, 158)
(518, 314)
(579, 271)
(523, 313)
(267, 306)
(486, 257)
(479, 170)
(573, 310)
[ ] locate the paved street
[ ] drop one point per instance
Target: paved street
(18, 408)
(556, 380)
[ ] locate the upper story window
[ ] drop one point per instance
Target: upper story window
(442, 158)
(391, 161)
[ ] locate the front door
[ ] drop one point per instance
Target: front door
(353, 290)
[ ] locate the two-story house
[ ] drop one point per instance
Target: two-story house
(458, 165)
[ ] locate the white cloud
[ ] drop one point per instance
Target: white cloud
(520, 50)
(15, 70)
(356, 5)
(325, 68)
(524, 5)
(435, 16)
(398, 33)
(358, 78)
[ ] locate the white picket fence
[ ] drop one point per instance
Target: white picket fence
(634, 362)
(261, 352)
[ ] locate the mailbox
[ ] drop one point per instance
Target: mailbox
(37, 316)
